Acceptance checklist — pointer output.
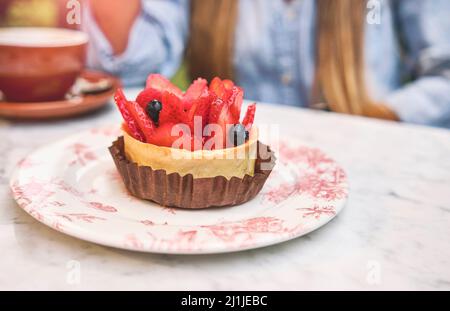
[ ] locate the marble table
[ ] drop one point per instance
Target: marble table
(394, 232)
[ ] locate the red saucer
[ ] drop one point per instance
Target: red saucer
(62, 108)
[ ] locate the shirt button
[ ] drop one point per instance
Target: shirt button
(286, 79)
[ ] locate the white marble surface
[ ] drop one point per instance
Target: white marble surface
(393, 234)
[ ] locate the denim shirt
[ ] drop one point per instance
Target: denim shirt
(274, 57)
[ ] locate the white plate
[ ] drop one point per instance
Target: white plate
(72, 186)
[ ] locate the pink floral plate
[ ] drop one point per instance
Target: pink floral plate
(72, 186)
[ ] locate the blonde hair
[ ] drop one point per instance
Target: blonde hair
(340, 74)
(211, 44)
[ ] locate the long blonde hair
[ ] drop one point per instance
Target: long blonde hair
(339, 76)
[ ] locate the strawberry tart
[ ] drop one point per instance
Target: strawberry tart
(190, 149)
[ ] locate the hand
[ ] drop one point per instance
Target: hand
(380, 111)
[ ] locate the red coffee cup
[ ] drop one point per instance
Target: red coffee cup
(40, 64)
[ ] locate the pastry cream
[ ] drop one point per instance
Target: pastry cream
(236, 161)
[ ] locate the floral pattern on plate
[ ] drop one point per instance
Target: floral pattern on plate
(72, 186)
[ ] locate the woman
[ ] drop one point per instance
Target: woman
(385, 59)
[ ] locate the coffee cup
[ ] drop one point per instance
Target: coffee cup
(40, 64)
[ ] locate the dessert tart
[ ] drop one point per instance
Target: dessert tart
(190, 150)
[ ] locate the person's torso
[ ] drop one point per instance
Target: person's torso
(275, 48)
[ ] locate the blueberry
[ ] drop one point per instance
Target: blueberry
(153, 109)
(238, 135)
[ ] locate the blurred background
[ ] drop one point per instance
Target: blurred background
(372, 58)
(52, 13)
(45, 13)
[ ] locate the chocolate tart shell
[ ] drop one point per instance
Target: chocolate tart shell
(188, 192)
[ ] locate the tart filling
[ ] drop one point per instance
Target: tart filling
(230, 162)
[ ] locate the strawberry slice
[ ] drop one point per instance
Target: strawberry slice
(216, 87)
(145, 124)
(199, 88)
(235, 103)
(156, 85)
(215, 109)
(126, 129)
(220, 114)
(221, 88)
(161, 84)
(163, 137)
(172, 109)
(131, 125)
(228, 84)
(200, 108)
(249, 116)
(225, 118)
(147, 95)
(196, 89)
